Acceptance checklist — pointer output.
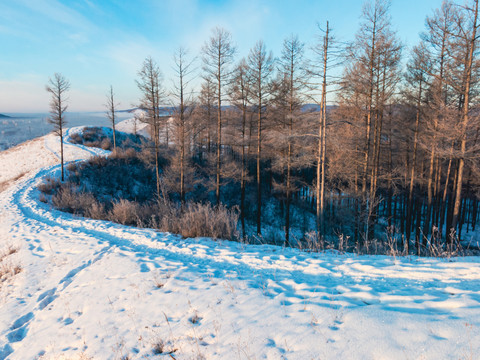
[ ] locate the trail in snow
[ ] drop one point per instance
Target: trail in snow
(109, 290)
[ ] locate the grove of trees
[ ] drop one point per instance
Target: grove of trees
(365, 140)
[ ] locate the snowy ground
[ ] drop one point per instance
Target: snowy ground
(93, 289)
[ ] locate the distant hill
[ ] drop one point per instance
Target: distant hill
(316, 107)
(169, 110)
(4, 116)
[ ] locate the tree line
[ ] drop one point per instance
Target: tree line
(393, 154)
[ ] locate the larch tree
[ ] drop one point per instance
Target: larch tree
(261, 65)
(112, 106)
(292, 67)
(150, 84)
(240, 98)
(217, 56)
(324, 51)
(206, 111)
(467, 55)
(369, 80)
(437, 38)
(183, 67)
(416, 79)
(58, 87)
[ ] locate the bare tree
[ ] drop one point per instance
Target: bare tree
(217, 57)
(370, 80)
(57, 87)
(183, 109)
(240, 94)
(416, 78)
(260, 65)
(468, 55)
(294, 75)
(324, 52)
(111, 106)
(150, 84)
(205, 110)
(440, 28)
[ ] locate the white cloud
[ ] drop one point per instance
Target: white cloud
(56, 11)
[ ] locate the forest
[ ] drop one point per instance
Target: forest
(366, 144)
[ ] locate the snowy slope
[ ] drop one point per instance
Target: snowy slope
(93, 289)
(134, 125)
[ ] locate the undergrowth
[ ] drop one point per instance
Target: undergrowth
(96, 137)
(121, 188)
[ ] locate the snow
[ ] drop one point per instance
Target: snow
(94, 289)
(134, 124)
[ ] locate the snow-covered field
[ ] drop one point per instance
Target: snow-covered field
(93, 289)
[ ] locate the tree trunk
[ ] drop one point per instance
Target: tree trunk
(465, 118)
(321, 152)
(413, 165)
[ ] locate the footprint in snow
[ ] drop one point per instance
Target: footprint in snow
(17, 334)
(144, 268)
(46, 298)
(22, 321)
(19, 331)
(5, 351)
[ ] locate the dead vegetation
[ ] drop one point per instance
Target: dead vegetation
(121, 188)
(9, 267)
(96, 137)
(5, 184)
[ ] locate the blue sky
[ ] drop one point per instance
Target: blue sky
(96, 43)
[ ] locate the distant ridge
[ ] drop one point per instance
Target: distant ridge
(4, 116)
(169, 110)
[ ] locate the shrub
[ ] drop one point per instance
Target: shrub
(96, 211)
(124, 212)
(76, 138)
(72, 167)
(205, 220)
(43, 198)
(98, 161)
(48, 185)
(67, 198)
(106, 144)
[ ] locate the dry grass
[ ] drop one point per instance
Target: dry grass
(161, 347)
(158, 347)
(8, 266)
(195, 319)
(8, 250)
(5, 184)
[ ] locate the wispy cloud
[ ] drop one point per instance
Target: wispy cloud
(55, 11)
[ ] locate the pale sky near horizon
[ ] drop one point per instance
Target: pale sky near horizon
(96, 43)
